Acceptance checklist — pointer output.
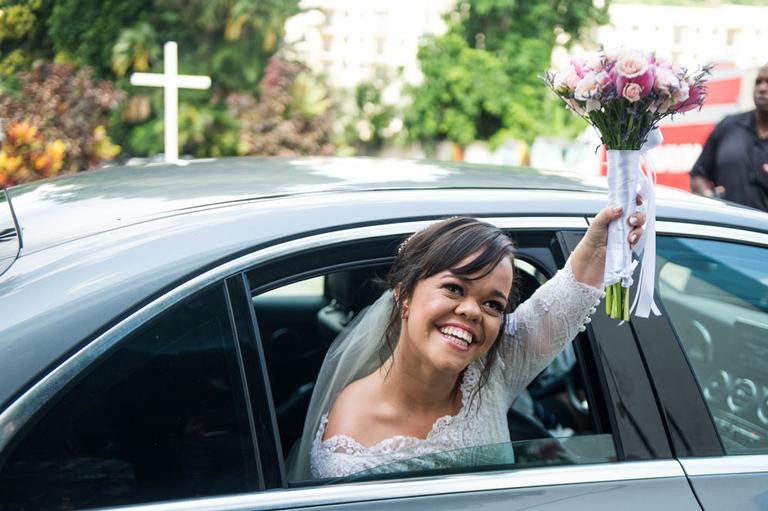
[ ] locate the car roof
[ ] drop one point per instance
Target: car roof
(130, 234)
(73, 206)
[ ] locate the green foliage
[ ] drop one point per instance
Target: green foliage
(86, 30)
(463, 93)
(292, 117)
(22, 34)
(67, 105)
(230, 40)
(367, 121)
(135, 48)
(482, 77)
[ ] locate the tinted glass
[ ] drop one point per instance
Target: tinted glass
(716, 296)
(160, 417)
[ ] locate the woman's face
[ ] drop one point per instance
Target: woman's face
(451, 321)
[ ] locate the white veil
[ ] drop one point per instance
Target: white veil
(355, 353)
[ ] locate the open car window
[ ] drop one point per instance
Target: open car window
(558, 420)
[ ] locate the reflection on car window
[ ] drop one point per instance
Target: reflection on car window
(716, 296)
(162, 417)
(539, 452)
(552, 423)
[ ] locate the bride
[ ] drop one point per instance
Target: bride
(431, 368)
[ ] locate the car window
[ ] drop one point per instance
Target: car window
(715, 294)
(305, 288)
(537, 452)
(161, 417)
(552, 422)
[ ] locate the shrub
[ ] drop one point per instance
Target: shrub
(65, 104)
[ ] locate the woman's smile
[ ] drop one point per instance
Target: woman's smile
(458, 336)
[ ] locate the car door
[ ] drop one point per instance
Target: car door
(153, 410)
(707, 355)
(641, 472)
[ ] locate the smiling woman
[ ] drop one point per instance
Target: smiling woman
(425, 377)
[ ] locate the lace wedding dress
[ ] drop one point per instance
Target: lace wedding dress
(536, 332)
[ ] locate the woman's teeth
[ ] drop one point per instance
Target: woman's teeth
(457, 334)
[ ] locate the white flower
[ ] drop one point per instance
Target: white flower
(589, 87)
(666, 81)
(594, 63)
(681, 93)
(566, 80)
(575, 106)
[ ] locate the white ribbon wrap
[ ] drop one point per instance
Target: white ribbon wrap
(625, 180)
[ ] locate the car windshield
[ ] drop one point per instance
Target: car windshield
(575, 450)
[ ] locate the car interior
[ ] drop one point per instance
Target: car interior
(298, 327)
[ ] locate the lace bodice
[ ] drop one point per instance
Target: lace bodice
(536, 332)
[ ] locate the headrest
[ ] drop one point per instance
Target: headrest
(352, 289)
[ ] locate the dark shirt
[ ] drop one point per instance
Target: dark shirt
(733, 157)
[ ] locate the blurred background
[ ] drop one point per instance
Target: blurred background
(437, 79)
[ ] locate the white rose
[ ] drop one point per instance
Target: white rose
(588, 87)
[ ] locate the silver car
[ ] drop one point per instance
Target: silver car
(161, 329)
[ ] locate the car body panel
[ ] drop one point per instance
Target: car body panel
(632, 485)
(105, 251)
(729, 482)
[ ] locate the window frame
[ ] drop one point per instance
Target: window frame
(548, 257)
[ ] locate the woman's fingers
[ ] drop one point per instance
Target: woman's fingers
(634, 236)
(637, 219)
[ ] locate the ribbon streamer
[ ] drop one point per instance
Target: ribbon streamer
(643, 302)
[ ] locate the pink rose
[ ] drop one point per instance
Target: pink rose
(644, 80)
(632, 92)
(631, 64)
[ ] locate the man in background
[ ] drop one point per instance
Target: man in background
(734, 162)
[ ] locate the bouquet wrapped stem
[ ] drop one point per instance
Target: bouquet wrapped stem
(624, 96)
(622, 190)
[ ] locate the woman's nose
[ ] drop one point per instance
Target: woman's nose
(469, 309)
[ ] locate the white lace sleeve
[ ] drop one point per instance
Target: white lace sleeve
(541, 326)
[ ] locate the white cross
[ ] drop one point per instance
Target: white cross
(171, 81)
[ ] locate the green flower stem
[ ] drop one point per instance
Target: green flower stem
(617, 302)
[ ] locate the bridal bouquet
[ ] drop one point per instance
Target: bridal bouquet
(624, 96)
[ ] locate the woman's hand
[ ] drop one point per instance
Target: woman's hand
(588, 259)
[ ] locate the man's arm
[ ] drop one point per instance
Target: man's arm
(703, 171)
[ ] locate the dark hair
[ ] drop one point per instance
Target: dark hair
(440, 247)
